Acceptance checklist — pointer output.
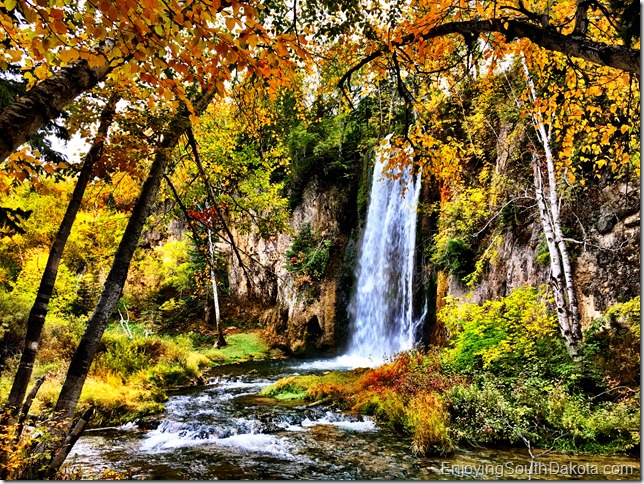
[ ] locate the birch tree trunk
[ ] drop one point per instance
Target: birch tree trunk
(221, 341)
(86, 350)
(38, 312)
(557, 280)
(560, 266)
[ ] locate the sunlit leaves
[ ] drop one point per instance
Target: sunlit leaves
(594, 116)
(171, 43)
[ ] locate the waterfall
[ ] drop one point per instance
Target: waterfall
(381, 309)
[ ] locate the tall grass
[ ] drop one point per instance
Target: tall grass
(130, 376)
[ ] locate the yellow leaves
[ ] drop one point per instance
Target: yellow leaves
(165, 94)
(594, 90)
(159, 63)
(14, 54)
(480, 10)
(9, 5)
(93, 59)
(49, 168)
(281, 49)
(231, 23)
(41, 71)
(220, 87)
(68, 55)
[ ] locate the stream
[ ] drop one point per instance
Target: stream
(225, 430)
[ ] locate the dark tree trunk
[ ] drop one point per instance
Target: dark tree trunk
(68, 444)
(86, 350)
(38, 311)
(44, 102)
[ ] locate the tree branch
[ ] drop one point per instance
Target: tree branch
(616, 56)
(213, 202)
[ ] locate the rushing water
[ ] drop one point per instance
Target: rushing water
(225, 430)
(381, 308)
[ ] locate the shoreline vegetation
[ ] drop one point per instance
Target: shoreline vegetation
(492, 386)
(132, 375)
(480, 391)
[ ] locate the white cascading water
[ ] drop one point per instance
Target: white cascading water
(381, 309)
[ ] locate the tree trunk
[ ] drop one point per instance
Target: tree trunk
(221, 341)
(563, 283)
(212, 310)
(86, 350)
(45, 101)
(557, 282)
(38, 312)
(11, 429)
(24, 412)
(65, 449)
(213, 203)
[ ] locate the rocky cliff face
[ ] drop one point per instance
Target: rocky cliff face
(310, 317)
(604, 247)
(300, 316)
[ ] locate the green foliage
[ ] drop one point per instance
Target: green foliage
(543, 253)
(501, 335)
(454, 247)
(324, 149)
(14, 311)
(130, 376)
(240, 347)
(311, 387)
(612, 343)
(329, 145)
(491, 411)
(525, 387)
(308, 255)
(456, 257)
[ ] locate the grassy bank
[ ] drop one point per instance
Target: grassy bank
(505, 379)
(130, 376)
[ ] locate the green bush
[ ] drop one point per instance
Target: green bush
(612, 343)
(506, 335)
(308, 254)
(456, 257)
(493, 411)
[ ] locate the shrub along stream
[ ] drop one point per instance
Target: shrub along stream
(505, 379)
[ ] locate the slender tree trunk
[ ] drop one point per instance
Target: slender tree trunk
(38, 312)
(11, 430)
(67, 446)
(45, 101)
(557, 280)
(211, 311)
(221, 341)
(86, 350)
(563, 283)
(213, 202)
(24, 412)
